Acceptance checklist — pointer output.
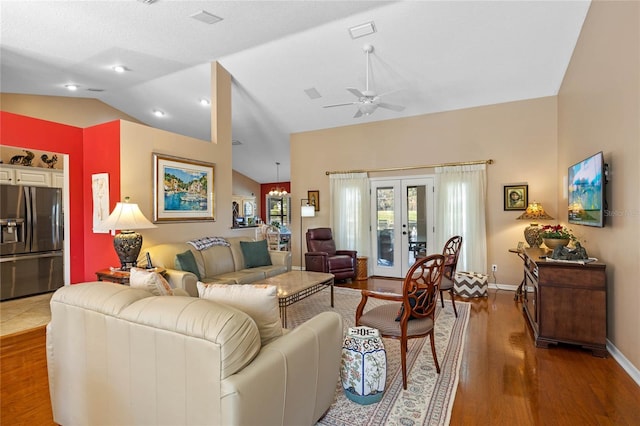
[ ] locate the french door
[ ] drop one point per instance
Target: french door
(402, 218)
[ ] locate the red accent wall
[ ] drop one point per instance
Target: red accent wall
(26, 132)
(264, 190)
(101, 155)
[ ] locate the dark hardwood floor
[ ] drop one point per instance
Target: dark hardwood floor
(504, 378)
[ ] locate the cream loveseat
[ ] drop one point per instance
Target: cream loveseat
(217, 264)
(121, 356)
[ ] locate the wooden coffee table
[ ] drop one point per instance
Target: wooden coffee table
(297, 285)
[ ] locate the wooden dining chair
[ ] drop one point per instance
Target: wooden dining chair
(451, 252)
(414, 314)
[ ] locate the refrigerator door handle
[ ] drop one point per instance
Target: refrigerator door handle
(27, 202)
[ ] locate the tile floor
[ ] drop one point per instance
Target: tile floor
(25, 313)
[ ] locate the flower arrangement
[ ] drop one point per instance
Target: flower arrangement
(557, 232)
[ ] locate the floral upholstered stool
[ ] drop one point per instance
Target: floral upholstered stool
(364, 365)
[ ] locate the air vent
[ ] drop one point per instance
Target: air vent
(206, 17)
(362, 30)
(312, 93)
(94, 90)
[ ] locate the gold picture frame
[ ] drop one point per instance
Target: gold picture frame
(516, 197)
(183, 189)
(314, 199)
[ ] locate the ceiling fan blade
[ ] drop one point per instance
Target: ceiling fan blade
(337, 105)
(356, 92)
(358, 114)
(391, 106)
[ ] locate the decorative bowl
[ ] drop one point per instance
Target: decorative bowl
(552, 243)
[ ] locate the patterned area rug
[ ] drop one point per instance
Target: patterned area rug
(429, 397)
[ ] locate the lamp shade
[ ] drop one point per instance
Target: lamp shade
(534, 212)
(126, 217)
(307, 211)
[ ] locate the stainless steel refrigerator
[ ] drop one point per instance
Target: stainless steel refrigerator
(31, 240)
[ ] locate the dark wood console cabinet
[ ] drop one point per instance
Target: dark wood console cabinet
(565, 302)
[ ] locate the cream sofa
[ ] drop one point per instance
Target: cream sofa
(218, 264)
(121, 356)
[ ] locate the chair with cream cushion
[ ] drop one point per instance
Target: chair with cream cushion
(451, 253)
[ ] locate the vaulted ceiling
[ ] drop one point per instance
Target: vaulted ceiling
(287, 59)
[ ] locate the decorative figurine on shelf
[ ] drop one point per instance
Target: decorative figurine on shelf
(564, 253)
(23, 160)
(50, 162)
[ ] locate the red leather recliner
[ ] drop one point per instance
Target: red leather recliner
(322, 255)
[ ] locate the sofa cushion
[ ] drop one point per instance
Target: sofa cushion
(150, 281)
(256, 253)
(260, 302)
(187, 262)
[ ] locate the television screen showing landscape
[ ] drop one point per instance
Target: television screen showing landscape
(586, 194)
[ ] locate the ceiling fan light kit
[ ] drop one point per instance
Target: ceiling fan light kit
(368, 100)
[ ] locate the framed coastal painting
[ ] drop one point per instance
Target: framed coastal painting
(516, 197)
(183, 189)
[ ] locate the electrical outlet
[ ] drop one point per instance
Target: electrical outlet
(494, 268)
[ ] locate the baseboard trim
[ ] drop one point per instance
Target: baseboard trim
(624, 362)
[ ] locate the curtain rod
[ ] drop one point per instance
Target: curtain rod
(393, 169)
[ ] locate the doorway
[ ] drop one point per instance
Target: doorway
(402, 217)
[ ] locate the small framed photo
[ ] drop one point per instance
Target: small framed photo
(314, 199)
(183, 189)
(516, 197)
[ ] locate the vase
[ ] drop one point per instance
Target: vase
(552, 243)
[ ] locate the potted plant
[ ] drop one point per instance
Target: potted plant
(556, 235)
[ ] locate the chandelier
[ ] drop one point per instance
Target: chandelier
(277, 191)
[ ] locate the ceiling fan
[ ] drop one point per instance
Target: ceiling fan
(368, 100)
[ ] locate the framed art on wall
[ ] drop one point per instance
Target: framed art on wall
(516, 197)
(314, 199)
(183, 189)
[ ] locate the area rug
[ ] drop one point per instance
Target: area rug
(429, 397)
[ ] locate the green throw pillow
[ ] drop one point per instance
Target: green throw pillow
(255, 253)
(187, 262)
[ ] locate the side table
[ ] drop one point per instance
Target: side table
(120, 277)
(520, 289)
(364, 365)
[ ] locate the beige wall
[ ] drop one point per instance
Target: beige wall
(519, 136)
(73, 111)
(599, 110)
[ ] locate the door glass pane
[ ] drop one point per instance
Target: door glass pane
(416, 221)
(385, 221)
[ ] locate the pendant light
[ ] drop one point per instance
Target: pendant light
(277, 191)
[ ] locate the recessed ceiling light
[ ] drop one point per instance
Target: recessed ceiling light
(120, 68)
(362, 30)
(205, 102)
(72, 87)
(158, 113)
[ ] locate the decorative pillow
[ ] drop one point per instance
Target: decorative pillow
(256, 253)
(260, 302)
(187, 262)
(412, 303)
(150, 281)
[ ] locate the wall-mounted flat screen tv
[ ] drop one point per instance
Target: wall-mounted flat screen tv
(587, 191)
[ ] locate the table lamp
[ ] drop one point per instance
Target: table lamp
(306, 210)
(534, 212)
(125, 218)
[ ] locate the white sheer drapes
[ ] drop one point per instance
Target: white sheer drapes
(350, 215)
(460, 210)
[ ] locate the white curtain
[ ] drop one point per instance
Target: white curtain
(350, 215)
(460, 210)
